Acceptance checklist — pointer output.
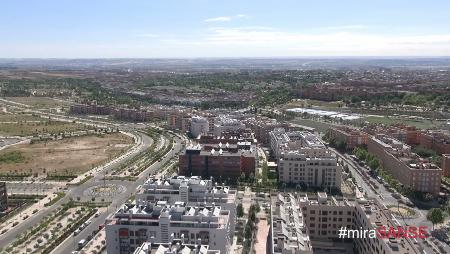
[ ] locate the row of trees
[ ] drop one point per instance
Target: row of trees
(250, 227)
(375, 165)
(370, 159)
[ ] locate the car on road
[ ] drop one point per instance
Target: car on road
(86, 223)
(97, 214)
(77, 231)
(81, 244)
(396, 195)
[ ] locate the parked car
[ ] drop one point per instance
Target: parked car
(396, 195)
(81, 244)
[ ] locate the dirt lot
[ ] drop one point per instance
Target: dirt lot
(67, 156)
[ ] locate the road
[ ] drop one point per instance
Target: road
(11, 235)
(76, 191)
(383, 196)
(71, 243)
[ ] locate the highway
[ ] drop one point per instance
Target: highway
(383, 196)
(71, 243)
(144, 142)
(73, 192)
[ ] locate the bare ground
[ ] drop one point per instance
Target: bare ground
(71, 155)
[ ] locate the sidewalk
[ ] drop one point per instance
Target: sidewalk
(28, 212)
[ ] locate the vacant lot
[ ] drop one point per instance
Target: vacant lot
(39, 102)
(27, 125)
(67, 156)
(7, 117)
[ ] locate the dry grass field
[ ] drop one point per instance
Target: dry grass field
(66, 156)
(28, 125)
(39, 102)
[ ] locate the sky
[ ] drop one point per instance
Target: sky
(231, 28)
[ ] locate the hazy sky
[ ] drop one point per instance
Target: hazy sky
(231, 28)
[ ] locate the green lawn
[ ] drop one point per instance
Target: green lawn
(319, 126)
(421, 124)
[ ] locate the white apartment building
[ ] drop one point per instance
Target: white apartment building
(174, 248)
(319, 219)
(303, 159)
(187, 189)
(224, 124)
(199, 125)
(296, 167)
(204, 224)
(281, 141)
(288, 233)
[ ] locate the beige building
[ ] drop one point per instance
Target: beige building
(303, 225)
(408, 168)
(303, 159)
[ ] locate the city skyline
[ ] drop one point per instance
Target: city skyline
(163, 29)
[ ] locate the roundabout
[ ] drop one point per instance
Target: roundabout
(104, 190)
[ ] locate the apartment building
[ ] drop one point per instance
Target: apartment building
(186, 189)
(438, 141)
(312, 225)
(225, 124)
(408, 168)
(221, 161)
(132, 114)
(199, 125)
(282, 141)
(352, 137)
(297, 167)
(134, 224)
(179, 120)
(174, 247)
(262, 126)
(288, 233)
(303, 159)
(3, 197)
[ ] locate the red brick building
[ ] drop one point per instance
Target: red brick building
(221, 161)
(408, 168)
(352, 137)
(435, 140)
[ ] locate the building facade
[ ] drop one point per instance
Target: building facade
(408, 168)
(199, 125)
(221, 161)
(174, 247)
(303, 159)
(352, 137)
(311, 225)
(132, 225)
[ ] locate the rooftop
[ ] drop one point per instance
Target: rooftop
(174, 248)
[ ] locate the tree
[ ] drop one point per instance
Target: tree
(240, 210)
(436, 216)
(374, 163)
(341, 145)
